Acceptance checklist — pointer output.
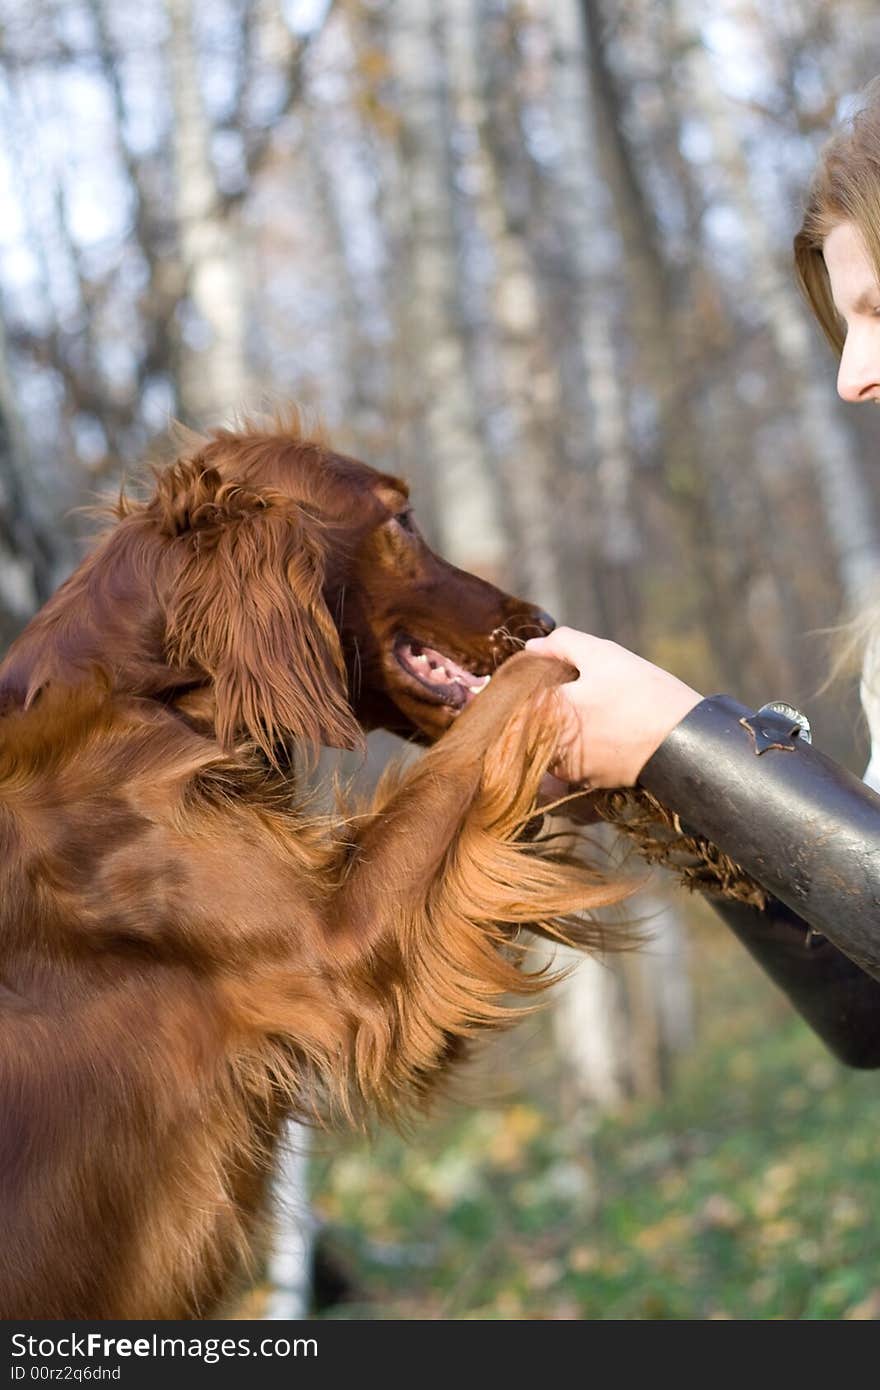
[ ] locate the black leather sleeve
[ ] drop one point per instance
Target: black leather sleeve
(830, 992)
(809, 832)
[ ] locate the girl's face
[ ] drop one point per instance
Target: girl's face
(856, 295)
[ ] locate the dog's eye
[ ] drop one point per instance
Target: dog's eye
(406, 520)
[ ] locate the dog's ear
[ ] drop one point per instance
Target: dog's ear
(244, 604)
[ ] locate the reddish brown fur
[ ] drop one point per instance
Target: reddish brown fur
(188, 953)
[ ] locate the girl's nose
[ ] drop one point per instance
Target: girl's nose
(858, 377)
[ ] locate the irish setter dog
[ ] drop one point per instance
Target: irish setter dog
(189, 952)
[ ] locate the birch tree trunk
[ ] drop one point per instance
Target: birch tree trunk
(652, 314)
(347, 370)
(213, 382)
(523, 392)
(587, 216)
(443, 424)
(619, 1022)
(213, 374)
(24, 569)
(160, 252)
(289, 1268)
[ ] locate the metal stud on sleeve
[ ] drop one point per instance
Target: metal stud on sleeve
(789, 712)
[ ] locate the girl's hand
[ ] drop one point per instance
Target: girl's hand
(616, 714)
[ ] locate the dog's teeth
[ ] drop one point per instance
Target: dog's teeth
(421, 659)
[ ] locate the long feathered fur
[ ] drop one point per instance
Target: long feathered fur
(189, 953)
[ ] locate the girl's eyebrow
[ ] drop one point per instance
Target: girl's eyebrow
(866, 300)
(864, 303)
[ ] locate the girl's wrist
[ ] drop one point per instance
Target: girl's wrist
(682, 699)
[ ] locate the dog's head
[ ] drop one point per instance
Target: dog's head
(358, 613)
(420, 638)
(290, 587)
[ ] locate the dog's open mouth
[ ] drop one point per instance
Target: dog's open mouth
(450, 683)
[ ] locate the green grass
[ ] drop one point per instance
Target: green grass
(749, 1191)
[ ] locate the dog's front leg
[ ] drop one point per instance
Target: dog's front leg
(399, 851)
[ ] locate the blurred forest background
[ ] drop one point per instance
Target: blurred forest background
(533, 255)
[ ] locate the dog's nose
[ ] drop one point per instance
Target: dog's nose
(544, 621)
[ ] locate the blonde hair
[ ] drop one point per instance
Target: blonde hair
(845, 188)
